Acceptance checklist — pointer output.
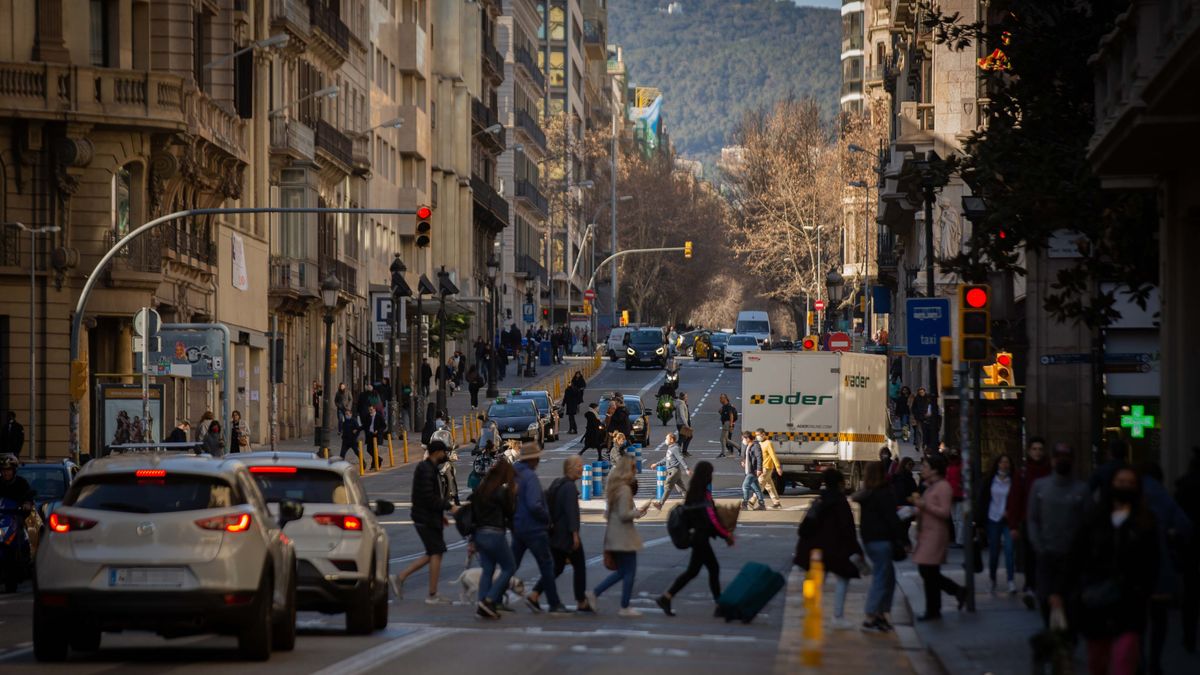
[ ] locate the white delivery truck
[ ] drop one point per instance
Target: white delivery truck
(821, 409)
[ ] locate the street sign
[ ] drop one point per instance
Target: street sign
(926, 321)
(589, 294)
(381, 316)
(839, 342)
(527, 312)
(144, 315)
(819, 305)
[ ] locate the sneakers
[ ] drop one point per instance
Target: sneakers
(502, 606)
(484, 609)
(560, 610)
(533, 605)
(591, 600)
(839, 624)
(664, 603)
(1012, 587)
(397, 587)
(436, 599)
(872, 626)
(777, 505)
(761, 507)
(629, 612)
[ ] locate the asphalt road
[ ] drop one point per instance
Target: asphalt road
(424, 639)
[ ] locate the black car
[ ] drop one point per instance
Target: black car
(546, 410)
(718, 341)
(517, 420)
(639, 418)
(645, 347)
(49, 480)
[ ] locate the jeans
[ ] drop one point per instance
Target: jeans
(935, 584)
(751, 483)
(493, 549)
(683, 442)
(625, 573)
(883, 581)
(702, 557)
(998, 534)
(840, 588)
(578, 571)
(538, 543)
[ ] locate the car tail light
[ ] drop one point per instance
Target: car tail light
(151, 473)
(272, 469)
(234, 522)
(238, 598)
(63, 524)
(337, 520)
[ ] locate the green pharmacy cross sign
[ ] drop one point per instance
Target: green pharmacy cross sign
(1138, 422)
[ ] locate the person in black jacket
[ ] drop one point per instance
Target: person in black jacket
(704, 525)
(594, 433)
(829, 526)
(12, 439)
(350, 429)
(565, 545)
(493, 504)
(429, 509)
(620, 417)
(572, 397)
(882, 535)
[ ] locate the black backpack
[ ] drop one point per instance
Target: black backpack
(679, 526)
(464, 519)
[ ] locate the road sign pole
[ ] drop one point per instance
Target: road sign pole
(147, 436)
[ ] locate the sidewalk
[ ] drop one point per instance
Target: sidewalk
(995, 638)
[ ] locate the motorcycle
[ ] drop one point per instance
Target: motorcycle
(666, 407)
(15, 554)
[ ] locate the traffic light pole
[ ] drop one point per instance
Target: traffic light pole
(968, 483)
(592, 282)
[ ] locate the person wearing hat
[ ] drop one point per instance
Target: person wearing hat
(429, 507)
(531, 528)
(1058, 506)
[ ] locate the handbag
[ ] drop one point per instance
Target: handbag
(610, 561)
(685, 432)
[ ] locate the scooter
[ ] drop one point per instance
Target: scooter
(14, 545)
(666, 407)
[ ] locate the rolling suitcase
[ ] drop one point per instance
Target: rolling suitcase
(749, 592)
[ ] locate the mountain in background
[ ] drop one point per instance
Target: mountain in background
(715, 58)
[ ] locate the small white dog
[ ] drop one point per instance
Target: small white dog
(468, 583)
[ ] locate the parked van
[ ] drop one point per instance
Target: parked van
(616, 341)
(755, 323)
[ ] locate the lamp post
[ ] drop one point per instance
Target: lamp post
(400, 291)
(833, 288)
(33, 233)
(445, 287)
(330, 288)
(928, 186)
(493, 268)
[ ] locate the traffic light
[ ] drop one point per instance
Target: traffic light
(687, 249)
(587, 307)
(974, 321)
(1003, 372)
(424, 228)
(810, 343)
(545, 313)
(624, 317)
(946, 365)
(79, 379)
(400, 287)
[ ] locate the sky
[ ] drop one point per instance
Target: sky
(831, 4)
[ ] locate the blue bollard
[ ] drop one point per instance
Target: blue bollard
(598, 479)
(605, 467)
(587, 482)
(660, 482)
(636, 449)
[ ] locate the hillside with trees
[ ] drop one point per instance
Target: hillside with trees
(715, 59)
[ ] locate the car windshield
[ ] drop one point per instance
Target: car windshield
(514, 409)
(312, 486)
(646, 338)
(742, 340)
(719, 338)
(753, 327)
(48, 482)
(167, 493)
(541, 399)
(633, 405)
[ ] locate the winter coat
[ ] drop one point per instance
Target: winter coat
(532, 515)
(621, 534)
(933, 524)
(428, 504)
(572, 398)
(1117, 569)
(564, 513)
(878, 520)
(829, 526)
(493, 510)
(1174, 530)
(594, 432)
(1018, 496)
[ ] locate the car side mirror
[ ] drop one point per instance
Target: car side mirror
(289, 510)
(384, 508)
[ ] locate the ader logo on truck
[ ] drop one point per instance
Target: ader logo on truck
(789, 399)
(857, 381)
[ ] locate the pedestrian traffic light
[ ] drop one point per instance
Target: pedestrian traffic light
(424, 228)
(545, 313)
(974, 321)
(810, 343)
(687, 249)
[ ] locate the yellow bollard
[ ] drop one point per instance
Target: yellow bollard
(325, 452)
(375, 451)
(391, 455)
(467, 429)
(812, 635)
(406, 446)
(361, 470)
(453, 433)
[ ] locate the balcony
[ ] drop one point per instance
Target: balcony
(360, 154)
(414, 45)
(294, 279)
(413, 137)
(343, 272)
(532, 130)
(530, 267)
(525, 62)
(491, 209)
(292, 138)
(915, 124)
(594, 39)
(533, 196)
(483, 117)
(332, 36)
(874, 74)
(183, 243)
(292, 17)
(335, 145)
(493, 62)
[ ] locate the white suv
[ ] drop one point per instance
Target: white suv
(176, 544)
(341, 547)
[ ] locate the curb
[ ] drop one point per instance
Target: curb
(921, 657)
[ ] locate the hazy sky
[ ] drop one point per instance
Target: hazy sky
(832, 4)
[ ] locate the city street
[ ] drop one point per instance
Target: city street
(452, 639)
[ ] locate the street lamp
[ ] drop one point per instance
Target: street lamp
(330, 288)
(445, 287)
(33, 233)
(833, 289)
(400, 290)
(493, 129)
(274, 41)
(866, 270)
(493, 269)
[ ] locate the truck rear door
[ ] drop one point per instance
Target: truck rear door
(813, 404)
(862, 408)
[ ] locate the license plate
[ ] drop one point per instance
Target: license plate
(146, 577)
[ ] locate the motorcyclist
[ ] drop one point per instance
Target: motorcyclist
(12, 486)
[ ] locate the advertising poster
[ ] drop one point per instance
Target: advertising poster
(121, 414)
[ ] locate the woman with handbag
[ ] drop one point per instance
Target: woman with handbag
(621, 539)
(933, 537)
(829, 526)
(683, 420)
(239, 433)
(884, 541)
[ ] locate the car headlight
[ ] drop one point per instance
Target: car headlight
(660, 351)
(631, 351)
(532, 427)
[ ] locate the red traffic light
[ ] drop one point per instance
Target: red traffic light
(977, 298)
(809, 344)
(1004, 359)
(424, 212)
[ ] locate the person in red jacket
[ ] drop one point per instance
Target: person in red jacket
(1036, 466)
(954, 469)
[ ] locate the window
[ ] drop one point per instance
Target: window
(174, 492)
(201, 32)
(852, 31)
(98, 29)
(128, 198)
(294, 228)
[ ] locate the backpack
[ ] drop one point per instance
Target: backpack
(678, 526)
(464, 519)
(548, 495)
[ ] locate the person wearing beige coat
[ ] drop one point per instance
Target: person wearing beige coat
(933, 537)
(621, 539)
